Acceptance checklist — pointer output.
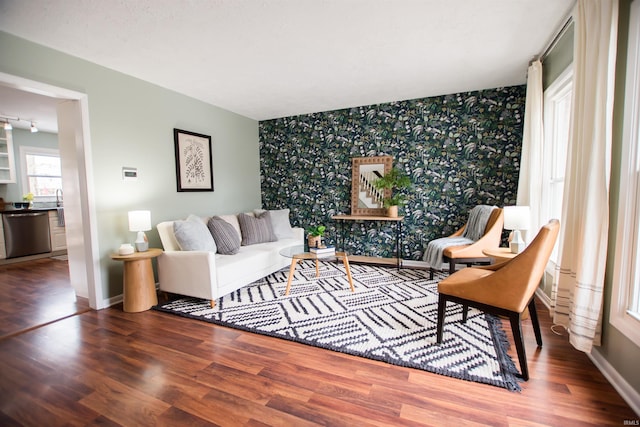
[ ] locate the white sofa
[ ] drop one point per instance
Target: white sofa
(209, 275)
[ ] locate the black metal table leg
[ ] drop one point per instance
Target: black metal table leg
(399, 244)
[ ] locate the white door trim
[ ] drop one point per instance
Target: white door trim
(84, 261)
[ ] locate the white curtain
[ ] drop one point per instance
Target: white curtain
(530, 180)
(585, 210)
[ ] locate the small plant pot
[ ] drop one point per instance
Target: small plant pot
(314, 241)
(392, 211)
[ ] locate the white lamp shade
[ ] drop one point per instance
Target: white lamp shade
(139, 220)
(517, 217)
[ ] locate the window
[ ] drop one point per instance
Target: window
(41, 172)
(557, 116)
(625, 301)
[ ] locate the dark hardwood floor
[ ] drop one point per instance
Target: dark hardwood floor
(113, 368)
(35, 293)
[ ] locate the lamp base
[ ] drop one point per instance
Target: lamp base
(516, 247)
(517, 244)
(142, 244)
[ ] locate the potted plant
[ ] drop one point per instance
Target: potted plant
(315, 235)
(396, 181)
(27, 201)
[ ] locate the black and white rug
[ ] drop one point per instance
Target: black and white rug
(391, 317)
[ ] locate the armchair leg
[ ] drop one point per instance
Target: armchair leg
(442, 308)
(534, 321)
(465, 313)
(514, 318)
(452, 266)
(430, 273)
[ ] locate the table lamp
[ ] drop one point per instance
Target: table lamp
(140, 221)
(517, 218)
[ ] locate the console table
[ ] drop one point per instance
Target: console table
(397, 220)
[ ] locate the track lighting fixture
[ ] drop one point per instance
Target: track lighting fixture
(8, 119)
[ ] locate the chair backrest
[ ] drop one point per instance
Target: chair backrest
(523, 273)
(493, 227)
(493, 230)
(496, 220)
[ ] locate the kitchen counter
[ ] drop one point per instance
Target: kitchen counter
(11, 209)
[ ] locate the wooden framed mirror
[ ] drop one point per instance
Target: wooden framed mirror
(365, 198)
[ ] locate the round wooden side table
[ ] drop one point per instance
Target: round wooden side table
(139, 286)
(499, 254)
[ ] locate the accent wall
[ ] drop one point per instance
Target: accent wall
(460, 150)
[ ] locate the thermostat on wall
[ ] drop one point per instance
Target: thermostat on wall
(129, 174)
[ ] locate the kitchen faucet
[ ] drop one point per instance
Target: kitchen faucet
(58, 197)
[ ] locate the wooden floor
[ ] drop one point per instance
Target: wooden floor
(113, 368)
(35, 293)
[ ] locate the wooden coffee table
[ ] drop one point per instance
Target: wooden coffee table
(298, 253)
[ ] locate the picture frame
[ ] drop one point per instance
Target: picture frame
(194, 161)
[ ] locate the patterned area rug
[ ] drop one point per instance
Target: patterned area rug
(391, 317)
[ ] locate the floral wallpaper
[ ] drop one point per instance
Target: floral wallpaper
(459, 150)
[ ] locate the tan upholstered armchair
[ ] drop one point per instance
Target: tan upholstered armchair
(472, 254)
(504, 289)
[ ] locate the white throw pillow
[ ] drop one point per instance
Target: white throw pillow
(193, 235)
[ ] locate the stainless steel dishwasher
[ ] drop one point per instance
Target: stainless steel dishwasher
(26, 233)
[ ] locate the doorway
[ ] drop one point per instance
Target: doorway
(74, 146)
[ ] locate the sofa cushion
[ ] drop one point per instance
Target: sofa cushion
(192, 235)
(256, 229)
(226, 238)
(279, 222)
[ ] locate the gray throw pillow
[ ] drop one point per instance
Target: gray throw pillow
(256, 229)
(193, 235)
(279, 222)
(225, 236)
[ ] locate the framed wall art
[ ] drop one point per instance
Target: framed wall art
(194, 161)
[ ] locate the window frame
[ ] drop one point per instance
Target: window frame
(561, 87)
(26, 150)
(626, 275)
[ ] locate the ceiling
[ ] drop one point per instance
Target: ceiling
(273, 58)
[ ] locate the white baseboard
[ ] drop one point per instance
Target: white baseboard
(106, 303)
(631, 396)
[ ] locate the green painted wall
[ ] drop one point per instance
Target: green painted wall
(131, 124)
(559, 58)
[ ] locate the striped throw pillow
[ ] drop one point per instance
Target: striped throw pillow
(225, 236)
(256, 229)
